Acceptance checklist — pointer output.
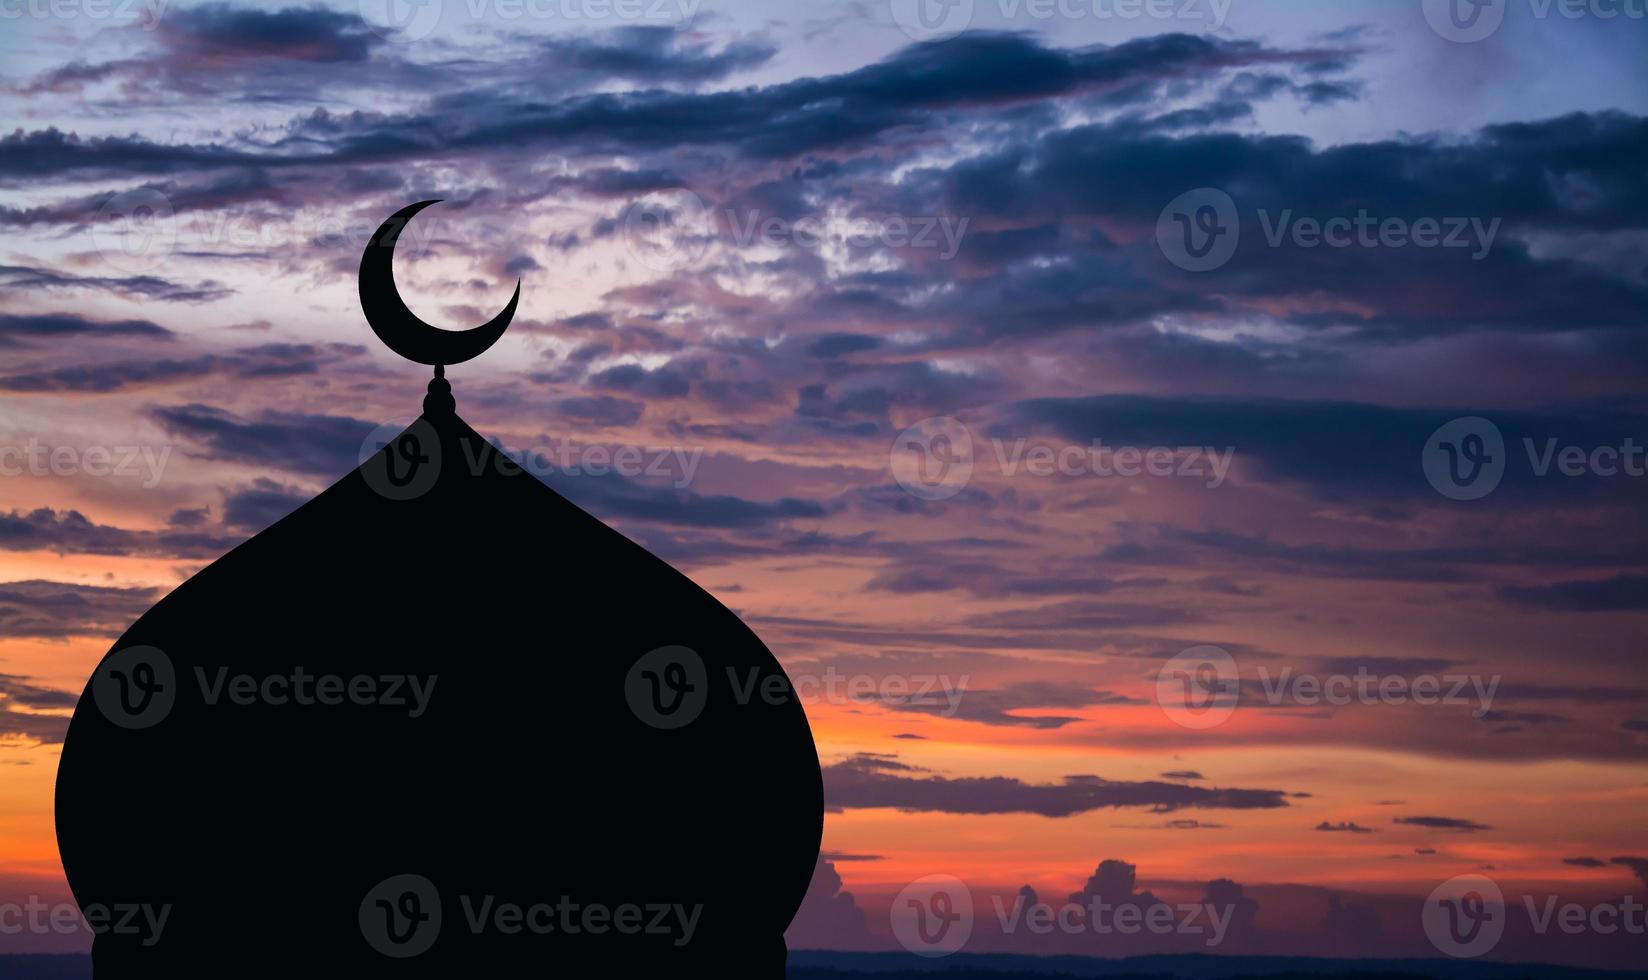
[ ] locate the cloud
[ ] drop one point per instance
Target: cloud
(34, 722)
(1585, 862)
(20, 277)
(1309, 443)
(316, 445)
(880, 781)
(998, 707)
(253, 508)
(1344, 826)
(1618, 593)
(253, 363)
(1638, 866)
(601, 410)
(16, 327)
(829, 916)
(652, 54)
(58, 610)
(618, 496)
(71, 532)
(1443, 823)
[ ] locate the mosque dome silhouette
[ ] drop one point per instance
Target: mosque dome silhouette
(438, 721)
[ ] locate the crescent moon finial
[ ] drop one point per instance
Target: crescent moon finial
(397, 326)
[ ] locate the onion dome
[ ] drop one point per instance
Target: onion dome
(438, 721)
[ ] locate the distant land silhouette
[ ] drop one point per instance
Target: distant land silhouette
(824, 965)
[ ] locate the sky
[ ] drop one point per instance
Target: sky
(1182, 452)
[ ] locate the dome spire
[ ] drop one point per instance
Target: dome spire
(439, 400)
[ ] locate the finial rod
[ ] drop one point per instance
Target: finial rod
(439, 400)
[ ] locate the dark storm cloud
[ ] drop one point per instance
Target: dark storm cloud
(253, 508)
(833, 345)
(1338, 449)
(601, 410)
(57, 610)
(1081, 615)
(52, 152)
(775, 121)
(47, 729)
(663, 382)
(261, 362)
(70, 532)
(1344, 827)
(15, 327)
(879, 781)
(317, 445)
(218, 31)
(1000, 706)
(1638, 866)
(18, 690)
(943, 573)
(147, 287)
(653, 54)
(617, 496)
(1570, 174)
(1619, 593)
(1443, 823)
(236, 52)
